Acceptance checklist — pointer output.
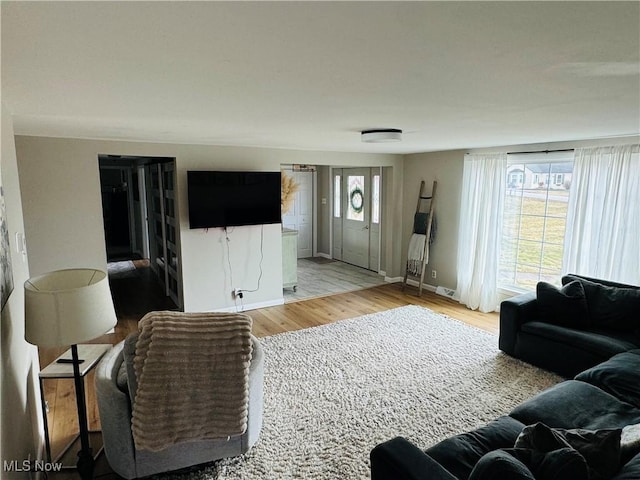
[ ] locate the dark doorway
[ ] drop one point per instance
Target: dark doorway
(116, 213)
(140, 228)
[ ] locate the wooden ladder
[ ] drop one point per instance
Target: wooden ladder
(420, 220)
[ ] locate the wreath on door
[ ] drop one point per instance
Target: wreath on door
(357, 200)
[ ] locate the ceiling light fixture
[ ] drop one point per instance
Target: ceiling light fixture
(381, 135)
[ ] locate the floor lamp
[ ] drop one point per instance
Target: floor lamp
(67, 307)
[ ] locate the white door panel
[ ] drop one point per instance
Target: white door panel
(300, 215)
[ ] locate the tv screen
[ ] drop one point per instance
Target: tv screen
(227, 199)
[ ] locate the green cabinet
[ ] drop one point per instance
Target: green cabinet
(290, 258)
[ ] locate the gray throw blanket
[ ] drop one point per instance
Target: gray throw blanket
(192, 371)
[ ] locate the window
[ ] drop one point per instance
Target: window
(534, 219)
(355, 207)
(375, 199)
(337, 206)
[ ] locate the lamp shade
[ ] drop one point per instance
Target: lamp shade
(67, 307)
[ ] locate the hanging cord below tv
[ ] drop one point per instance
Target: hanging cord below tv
(261, 259)
(238, 292)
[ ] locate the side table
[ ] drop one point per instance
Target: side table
(61, 367)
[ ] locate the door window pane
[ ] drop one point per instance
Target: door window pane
(337, 206)
(355, 206)
(375, 199)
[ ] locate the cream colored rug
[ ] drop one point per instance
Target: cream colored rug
(333, 392)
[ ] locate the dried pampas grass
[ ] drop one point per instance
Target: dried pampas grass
(288, 187)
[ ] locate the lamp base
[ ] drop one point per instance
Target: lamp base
(85, 464)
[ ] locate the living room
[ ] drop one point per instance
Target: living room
(85, 80)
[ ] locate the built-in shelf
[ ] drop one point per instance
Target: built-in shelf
(164, 247)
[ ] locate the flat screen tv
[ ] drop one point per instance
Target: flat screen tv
(227, 199)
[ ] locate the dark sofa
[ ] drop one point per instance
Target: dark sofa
(567, 331)
(588, 329)
(603, 400)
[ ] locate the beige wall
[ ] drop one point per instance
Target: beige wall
(446, 169)
(59, 180)
(20, 422)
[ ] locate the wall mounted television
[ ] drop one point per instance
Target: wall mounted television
(228, 199)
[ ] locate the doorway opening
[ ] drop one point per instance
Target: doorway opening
(141, 228)
(337, 216)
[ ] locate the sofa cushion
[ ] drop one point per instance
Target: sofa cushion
(500, 464)
(574, 404)
(602, 343)
(619, 376)
(611, 307)
(560, 464)
(459, 454)
(566, 306)
(570, 277)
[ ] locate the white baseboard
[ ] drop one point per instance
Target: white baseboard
(240, 307)
(393, 279)
(324, 255)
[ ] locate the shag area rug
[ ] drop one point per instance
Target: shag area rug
(333, 392)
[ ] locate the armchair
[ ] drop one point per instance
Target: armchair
(116, 384)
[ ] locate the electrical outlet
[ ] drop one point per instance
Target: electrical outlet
(434, 274)
(237, 293)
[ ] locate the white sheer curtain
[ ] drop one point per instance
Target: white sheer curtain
(479, 231)
(602, 239)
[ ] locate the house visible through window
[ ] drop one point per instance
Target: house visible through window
(534, 218)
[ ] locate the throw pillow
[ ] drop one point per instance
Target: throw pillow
(613, 307)
(566, 307)
(619, 376)
(599, 448)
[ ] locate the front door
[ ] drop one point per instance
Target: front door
(356, 216)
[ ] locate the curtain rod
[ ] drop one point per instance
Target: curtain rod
(542, 151)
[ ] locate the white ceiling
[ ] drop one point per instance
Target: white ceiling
(313, 75)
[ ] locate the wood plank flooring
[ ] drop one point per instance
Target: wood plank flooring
(135, 296)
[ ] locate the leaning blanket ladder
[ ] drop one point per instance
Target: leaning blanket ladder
(423, 222)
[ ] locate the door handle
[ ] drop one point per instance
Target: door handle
(366, 227)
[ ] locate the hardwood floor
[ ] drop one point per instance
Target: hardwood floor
(134, 296)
